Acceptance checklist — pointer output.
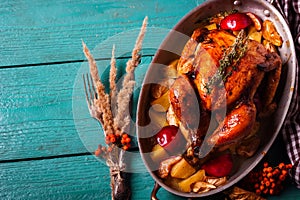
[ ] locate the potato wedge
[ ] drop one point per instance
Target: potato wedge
(182, 170)
(185, 185)
(257, 22)
(173, 182)
(256, 36)
(251, 29)
(211, 26)
(158, 153)
(173, 64)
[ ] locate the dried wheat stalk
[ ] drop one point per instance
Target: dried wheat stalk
(114, 111)
(125, 93)
(102, 102)
(112, 82)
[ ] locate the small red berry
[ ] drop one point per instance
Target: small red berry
(109, 149)
(128, 140)
(112, 139)
(281, 166)
(98, 152)
(289, 166)
(125, 147)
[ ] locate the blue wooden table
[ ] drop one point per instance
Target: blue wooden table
(46, 133)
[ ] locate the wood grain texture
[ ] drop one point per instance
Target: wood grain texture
(43, 143)
(36, 112)
(43, 110)
(81, 177)
(51, 31)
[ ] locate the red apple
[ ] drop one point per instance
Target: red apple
(219, 167)
(166, 135)
(171, 139)
(235, 22)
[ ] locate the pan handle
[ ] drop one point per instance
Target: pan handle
(154, 191)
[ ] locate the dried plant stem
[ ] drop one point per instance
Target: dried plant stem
(135, 55)
(102, 102)
(114, 110)
(124, 99)
(92, 64)
(112, 82)
(125, 93)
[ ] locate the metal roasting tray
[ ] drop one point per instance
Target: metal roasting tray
(171, 49)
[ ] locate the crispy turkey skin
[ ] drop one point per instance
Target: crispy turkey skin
(200, 62)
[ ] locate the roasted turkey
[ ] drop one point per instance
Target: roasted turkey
(222, 72)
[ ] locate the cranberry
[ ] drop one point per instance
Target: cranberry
(235, 22)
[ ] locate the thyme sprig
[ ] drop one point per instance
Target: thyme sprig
(231, 57)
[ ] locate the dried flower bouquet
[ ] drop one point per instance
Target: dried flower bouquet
(112, 114)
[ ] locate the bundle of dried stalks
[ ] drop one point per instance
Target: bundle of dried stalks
(115, 115)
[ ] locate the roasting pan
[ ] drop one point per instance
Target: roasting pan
(171, 48)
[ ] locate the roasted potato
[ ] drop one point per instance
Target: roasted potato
(182, 170)
(185, 185)
(158, 153)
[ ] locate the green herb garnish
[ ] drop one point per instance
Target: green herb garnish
(231, 57)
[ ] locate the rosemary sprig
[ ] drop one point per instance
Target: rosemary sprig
(231, 57)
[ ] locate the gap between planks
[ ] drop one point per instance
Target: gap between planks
(134, 149)
(65, 62)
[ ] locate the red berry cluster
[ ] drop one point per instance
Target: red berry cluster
(267, 181)
(125, 141)
(121, 140)
(111, 138)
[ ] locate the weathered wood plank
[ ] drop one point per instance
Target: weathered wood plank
(36, 111)
(37, 102)
(43, 110)
(81, 177)
(51, 31)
